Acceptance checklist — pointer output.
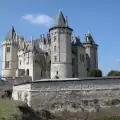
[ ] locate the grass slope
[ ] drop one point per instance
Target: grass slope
(15, 110)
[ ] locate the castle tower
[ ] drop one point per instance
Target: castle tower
(91, 51)
(61, 58)
(9, 54)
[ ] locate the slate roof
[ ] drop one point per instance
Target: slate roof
(76, 41)
(89, 39)
(11, 33)
(37, 47)
(60, 21)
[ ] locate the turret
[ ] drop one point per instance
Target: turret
(9, 54)
(61, 60)
(91, 52)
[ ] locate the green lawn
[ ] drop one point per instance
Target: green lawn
(15, 110)
(8, 108)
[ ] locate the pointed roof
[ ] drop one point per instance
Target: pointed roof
(10, 34)
(89, 39)
(76, 41)
(60, 20)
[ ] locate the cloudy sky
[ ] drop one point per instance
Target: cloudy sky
(100, 17)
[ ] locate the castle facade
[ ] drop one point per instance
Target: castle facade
(57, 54)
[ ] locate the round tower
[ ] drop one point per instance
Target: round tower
(61, 55)
(9, 54)
(91, 52)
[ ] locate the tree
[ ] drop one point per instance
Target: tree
(114, 73)
(95, 73)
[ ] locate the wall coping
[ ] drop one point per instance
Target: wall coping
(71, 79)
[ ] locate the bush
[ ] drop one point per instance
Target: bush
(114, 73)
(95, 73)
(7, 94)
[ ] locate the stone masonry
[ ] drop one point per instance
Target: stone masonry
(72, 94)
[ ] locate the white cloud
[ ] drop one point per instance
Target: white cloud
(40, 19)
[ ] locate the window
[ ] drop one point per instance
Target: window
(55, 58)
(8, 49)
(20, 62)
(27, 72)
(6, 64)
(41, 73)
(54, 38)
(54, 48)
(83, 58)
(80, 57)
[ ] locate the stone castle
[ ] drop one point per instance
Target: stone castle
(57, 54)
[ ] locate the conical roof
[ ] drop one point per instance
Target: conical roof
(10, 34)
(60, 20)
(89, 39)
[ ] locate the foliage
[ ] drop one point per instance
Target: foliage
(114, 73)
(56, 77)
(7, 94)
(95, 73)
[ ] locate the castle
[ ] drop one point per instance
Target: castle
(57, 54)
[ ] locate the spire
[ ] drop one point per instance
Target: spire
(60, 21)
(10, 34)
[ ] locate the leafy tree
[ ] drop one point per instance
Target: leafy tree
(95, 73)
(114, 73)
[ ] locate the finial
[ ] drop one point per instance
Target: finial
(16, 36)
(78, 37)
(31, 39)
(66, 21)
(40, 36)
(60, 10)
(88, 32)
(66, 18)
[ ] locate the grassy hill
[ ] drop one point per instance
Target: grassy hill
(15, 110)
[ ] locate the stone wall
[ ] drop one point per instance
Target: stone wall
(73, 95)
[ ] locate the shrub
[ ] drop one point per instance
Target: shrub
(95, 73)
(114, 73)
(7, 94)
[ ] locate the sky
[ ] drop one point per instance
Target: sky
(100, 17)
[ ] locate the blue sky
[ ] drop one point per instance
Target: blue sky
(100, 17)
